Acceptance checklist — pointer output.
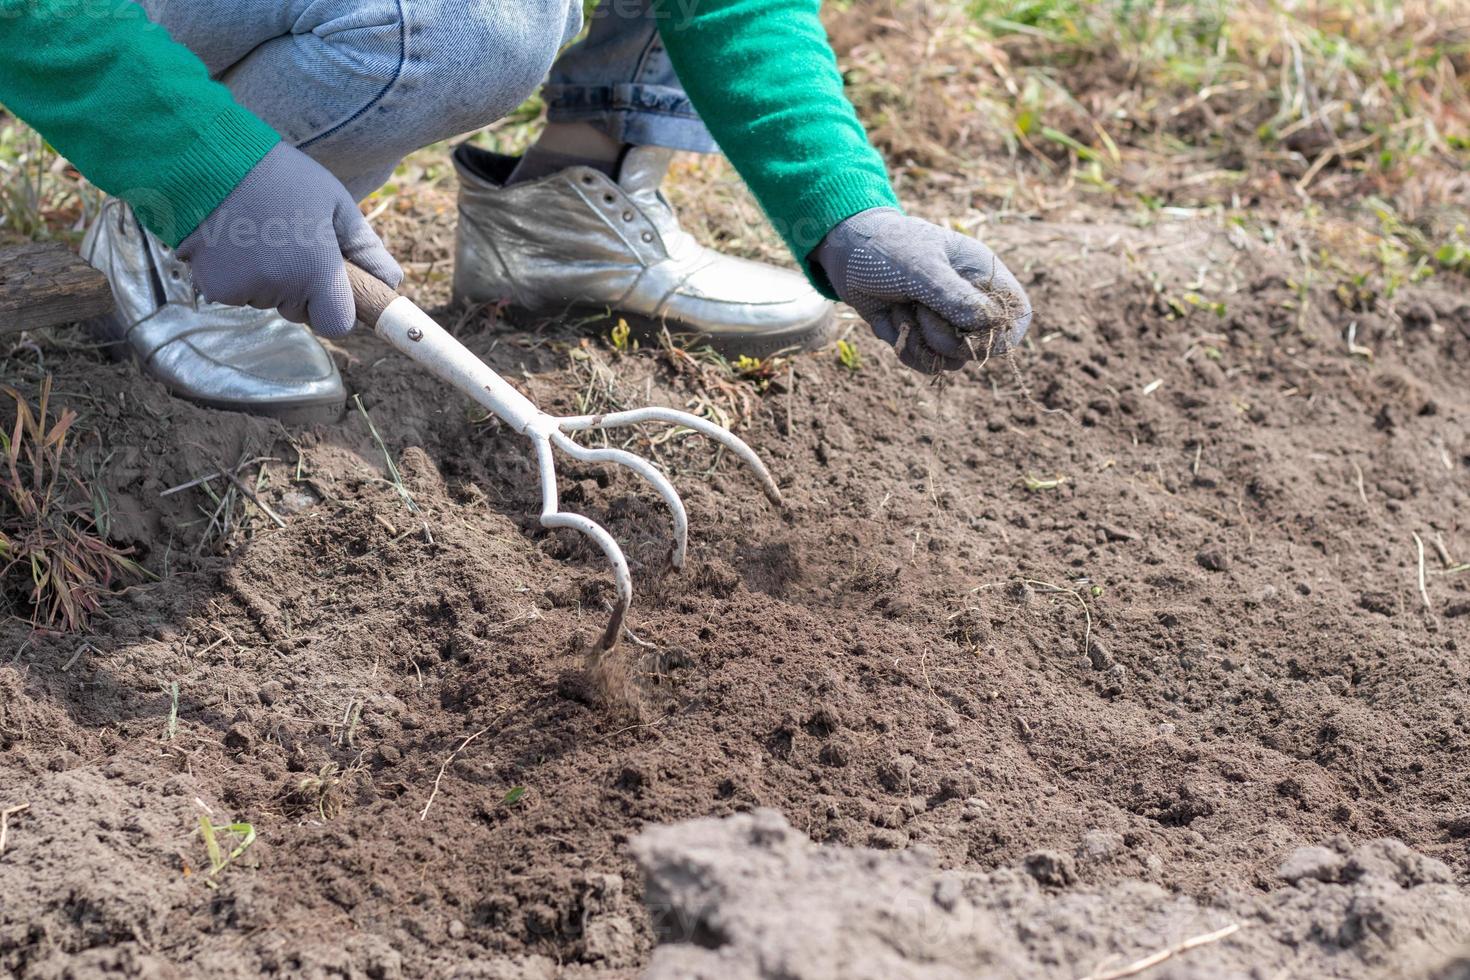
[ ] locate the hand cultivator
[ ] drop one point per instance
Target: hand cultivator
(401, 323)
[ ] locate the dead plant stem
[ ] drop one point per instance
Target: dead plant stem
(1423, 592)
(1154, 959)
(424, 813)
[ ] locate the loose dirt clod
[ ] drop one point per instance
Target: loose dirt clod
(750, 897)
(1213, 559)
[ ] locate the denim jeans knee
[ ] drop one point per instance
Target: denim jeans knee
(359, 84)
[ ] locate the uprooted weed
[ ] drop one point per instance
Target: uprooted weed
(52, 551)
(326, 791)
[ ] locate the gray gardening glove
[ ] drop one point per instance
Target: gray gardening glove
(939, 297)
(278, 242)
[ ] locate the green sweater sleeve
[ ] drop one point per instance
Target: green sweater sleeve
(764, 79)
(134, 111)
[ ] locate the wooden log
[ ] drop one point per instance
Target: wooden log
(44, 284)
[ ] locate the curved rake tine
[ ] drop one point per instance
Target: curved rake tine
(704, 427)
(552, 517)
(644, 469)
(414, 333)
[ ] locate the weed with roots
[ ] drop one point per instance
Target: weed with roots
(50, 539)
(323, 790)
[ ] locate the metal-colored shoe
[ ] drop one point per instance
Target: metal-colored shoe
(230, 357)
(581, 243)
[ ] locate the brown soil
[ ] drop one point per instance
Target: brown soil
(1207, 641)
(748, 896)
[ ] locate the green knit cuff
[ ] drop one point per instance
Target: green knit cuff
(203, 176)
(825, 204)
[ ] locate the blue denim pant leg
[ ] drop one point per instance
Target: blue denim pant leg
(620, 80)
(359, 84)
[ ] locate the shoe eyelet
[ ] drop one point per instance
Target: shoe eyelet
(587, 178)
(648, 236)
(608, 199)
(627, 215)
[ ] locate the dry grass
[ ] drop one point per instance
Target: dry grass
(1347, 121)
(1169, 102)
(41, 195)
(50, 545)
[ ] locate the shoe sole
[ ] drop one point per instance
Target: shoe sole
(650, 330)
(293, 413)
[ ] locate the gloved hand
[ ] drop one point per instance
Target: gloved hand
(279, 239)
(939, 297)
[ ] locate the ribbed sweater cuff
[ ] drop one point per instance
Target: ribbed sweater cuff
(804, 222)
(203, 175)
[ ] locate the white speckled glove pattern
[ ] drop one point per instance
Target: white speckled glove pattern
(939, 297)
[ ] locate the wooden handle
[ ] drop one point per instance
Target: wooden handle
(371, 294)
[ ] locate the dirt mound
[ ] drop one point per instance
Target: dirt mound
(1153, 592)
(749, 897)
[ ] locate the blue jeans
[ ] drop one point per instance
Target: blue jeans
(360, 84)
(620, 80)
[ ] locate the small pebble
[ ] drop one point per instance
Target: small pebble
(975, 808)
(946, 721)
(1099, 845)
(296, 501)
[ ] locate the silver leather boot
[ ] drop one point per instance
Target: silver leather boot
(580, 243)
(230, 357)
